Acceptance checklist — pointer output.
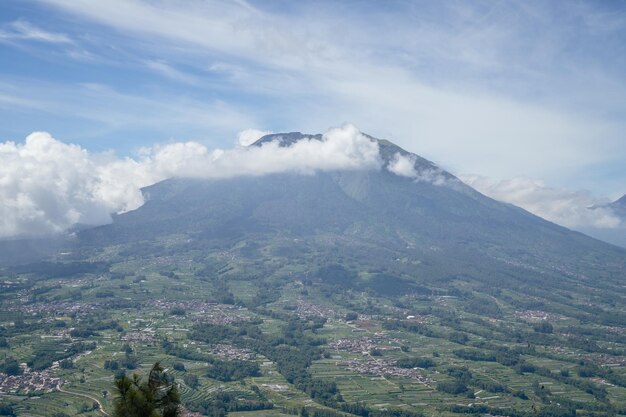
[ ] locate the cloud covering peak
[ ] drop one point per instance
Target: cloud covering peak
(46, 186)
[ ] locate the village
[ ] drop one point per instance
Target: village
(231, 352)
(29, 382)
(204, 312)
(365, 345)
(384, 368)
(537, 315)
(305, 309)
(55, 308)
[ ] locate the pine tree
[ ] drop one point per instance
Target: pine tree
(156, 397)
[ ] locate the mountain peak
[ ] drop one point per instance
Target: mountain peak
(389, 151)
(619, 207)
(285, 139)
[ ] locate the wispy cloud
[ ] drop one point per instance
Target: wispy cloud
(481, 87)
(168, 71)
(576, 209)
(8, 100)
(21, 30)
(496, 88)
(108, 109)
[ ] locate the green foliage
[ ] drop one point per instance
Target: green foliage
(92, 327)
(336, 274)
(233, 370)
(130, 361)
(351, 316)
(458, 337)
(212, 333)
(155, 397)
(225, 402)
(360, 409)
(543, 327)
(178, 311)
(191, 380)
(43, 357)
(7, 410)
(502, 355)
(483, 306)
(390, 285)
(520, 394)
(415, 362)
(376, 352)
(410, 326)
(66, 364)
(453, 387)
(10, 366)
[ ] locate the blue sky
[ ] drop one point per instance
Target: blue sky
(500, 90)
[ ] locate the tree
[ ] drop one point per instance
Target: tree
(10, 366)
(156, 397)
(351, 316)
(7, 410)
(191, 381)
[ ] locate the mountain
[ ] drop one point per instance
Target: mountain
(422, 232)
(619, 206)
(20, 251)
(614, 235)
(389, 292)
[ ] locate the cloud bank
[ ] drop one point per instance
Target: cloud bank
(46, 186)
(573, 209)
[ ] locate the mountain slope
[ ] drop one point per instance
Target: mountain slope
(369, 219)
(615, 235)
(619, 206)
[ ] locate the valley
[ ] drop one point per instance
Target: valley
(463, 348)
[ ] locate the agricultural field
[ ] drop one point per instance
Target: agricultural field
(287, 342)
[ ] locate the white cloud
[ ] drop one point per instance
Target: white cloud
(340, 148)
(404, 166)
(105, 109)
(573, 209)
(249, 136)
(501, 98)
(168, 71)
(47, 186)
(21, 30)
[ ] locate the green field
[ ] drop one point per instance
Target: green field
(131, 313)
